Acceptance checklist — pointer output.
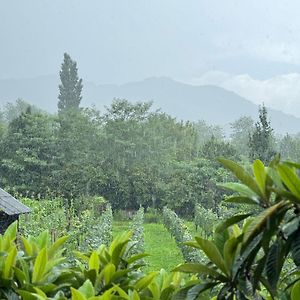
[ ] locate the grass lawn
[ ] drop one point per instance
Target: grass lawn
(162, 248)
(120, 226)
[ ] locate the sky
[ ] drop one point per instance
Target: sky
(251, 47)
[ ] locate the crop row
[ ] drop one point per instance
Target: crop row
(181, 235)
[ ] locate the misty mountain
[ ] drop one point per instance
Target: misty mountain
(213, 104)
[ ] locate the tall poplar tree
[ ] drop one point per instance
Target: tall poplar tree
(71, 86)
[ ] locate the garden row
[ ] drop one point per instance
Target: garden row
(92, 224)
(250, 255)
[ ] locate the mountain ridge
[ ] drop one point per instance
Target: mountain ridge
(210, 103)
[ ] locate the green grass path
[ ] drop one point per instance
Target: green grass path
(164, 253)
(162, 248)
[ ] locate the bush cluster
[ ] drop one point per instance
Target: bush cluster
(86, 228)
(44, 215)
(137, 229)
(36, 268)
(205, 220)
(96, 229)
(181, 234)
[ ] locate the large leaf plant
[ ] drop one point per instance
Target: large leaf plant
(253, 255)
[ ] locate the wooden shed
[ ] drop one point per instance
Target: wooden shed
(10, 209)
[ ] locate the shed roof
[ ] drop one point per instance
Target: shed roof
(11, 205)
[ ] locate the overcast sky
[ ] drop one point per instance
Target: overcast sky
(249, 46)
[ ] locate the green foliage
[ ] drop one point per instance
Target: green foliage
(194, 182)
(205, 220)
(27, 154)
(252, 261)
(40, 271)
(39, 267)
(180, 233)
(87, 229)
(95, 229)
(71, 86)
(44, 215)
(137, 229)
(130, 154)
(205, 132)
(12, 110)
(78, 168)
(261, 140)
(289, 147)
(241, 130)
(214, 148)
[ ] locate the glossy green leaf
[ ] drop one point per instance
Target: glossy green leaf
(11, 232)
(108, 271)
(77, 295)
(230, 249)
(56, 245)
(9, 263)
(212, 252)
(233, 220)
(242, 200)
(27, 247)
(145, 281)
(241, 174)
(39, 266)
(198, 268)
(121, 292)
(26, 295)
(118, 247)
(274, 264)
(87, 289)
(195, 291)
(239, 188)
(40, 293)
(295, 293)
(260, 174)
(292, 164)
(136, 257)
(290, 179)
(43, 239)
(94, 261)
(261, 220)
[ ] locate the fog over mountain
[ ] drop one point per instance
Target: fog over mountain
(255, 43)
(184, 101)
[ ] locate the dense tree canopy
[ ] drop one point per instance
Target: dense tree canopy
(131, 154)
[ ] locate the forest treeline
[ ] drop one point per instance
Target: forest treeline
(130, 154)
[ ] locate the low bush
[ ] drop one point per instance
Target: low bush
(96, 229)
(39, 270)
(137, 244)
(205, 220)
(254, 255)
(181, 234)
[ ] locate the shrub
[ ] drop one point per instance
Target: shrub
(45, 215)
(95, 230)
(260, 258)
(39, 271)
(137, 244)
(205, 220)
(180, 233)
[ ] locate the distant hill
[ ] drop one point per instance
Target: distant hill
(213, 104)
